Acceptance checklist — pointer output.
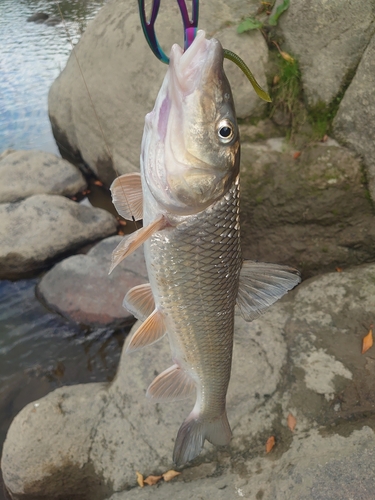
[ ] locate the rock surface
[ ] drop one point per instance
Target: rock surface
(114, 56)
(301, 357)
(80, 288)
(36, 231)
(312, 212)
(328, 39)
(354, 123)
(25, 173)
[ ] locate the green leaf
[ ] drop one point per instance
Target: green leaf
(249, 24)
(272, 20)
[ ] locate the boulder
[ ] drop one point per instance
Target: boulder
(354, 123)
(328, 39)
(114, 56)
(24, 173)
(36, 231)
(312, 211)
(302, 357)
(80, 288)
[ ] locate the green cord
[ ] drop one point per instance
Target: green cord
(228, 54)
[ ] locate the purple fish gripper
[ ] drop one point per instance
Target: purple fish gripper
(190, 25)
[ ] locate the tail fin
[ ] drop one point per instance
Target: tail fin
(192, 434)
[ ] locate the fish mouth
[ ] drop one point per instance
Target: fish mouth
(201, 62)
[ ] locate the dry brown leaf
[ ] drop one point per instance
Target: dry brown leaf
(140, 480)
(286, 56)
(297, 154)
(270, 444)
(168, 476)
(325, 138)
(276, 79)
(122, 222)
(151, 480)
(292, 422)
(339, 269)
(98, 183)
(121, 233)
(367, 341)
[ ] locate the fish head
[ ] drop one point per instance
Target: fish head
(191, 147)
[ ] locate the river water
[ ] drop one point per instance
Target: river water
(39, 350)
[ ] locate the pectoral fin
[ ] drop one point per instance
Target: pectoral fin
(149, 332)
(140, 301)
(263, 284)
(171, 385)
(127, 196)
(135, 240)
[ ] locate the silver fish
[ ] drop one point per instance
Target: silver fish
(188, 195)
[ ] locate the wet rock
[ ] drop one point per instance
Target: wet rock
(114, 55)
(25, 173)
(80, 288)
(38, 17)
(38, 230)
(53, 21)
(303, 357)
(354, 123)
(312, 212)
(328, 39)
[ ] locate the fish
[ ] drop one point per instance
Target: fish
(188, 195)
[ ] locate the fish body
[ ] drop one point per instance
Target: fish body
(189, 189)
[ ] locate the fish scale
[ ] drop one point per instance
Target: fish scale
(198, 298)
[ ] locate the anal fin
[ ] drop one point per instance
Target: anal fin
(129, 244)
(127, 196)
(140, 301)
(148, 333)
(262, 284)
(172, 384)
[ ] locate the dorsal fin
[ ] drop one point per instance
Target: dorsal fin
(263, 284)
(150, 331)
(127, 196)
(171, 385)
(140, 301)
(130, 243)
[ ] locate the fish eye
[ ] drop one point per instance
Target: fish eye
(225, 131)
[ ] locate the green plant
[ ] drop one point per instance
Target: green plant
(252, 23)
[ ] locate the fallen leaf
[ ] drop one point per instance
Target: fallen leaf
(297, 154)
(122, 222)
(339, 269)
(121, 233)
(291, 422)
(325, 138)
(98, 183)
(151, 480)
(74, 198)
(140, 479)
(367, 341)
(168, 476)
(270, 444)
(286, 56)
(276, 79)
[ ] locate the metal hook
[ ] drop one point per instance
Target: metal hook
(190, 26)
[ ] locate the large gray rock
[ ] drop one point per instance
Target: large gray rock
(354, 123)
(38, 230)
(80, 288)
(328, 39)
(114, 55)
(24, 173)
(312, 212)
(302, 357)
